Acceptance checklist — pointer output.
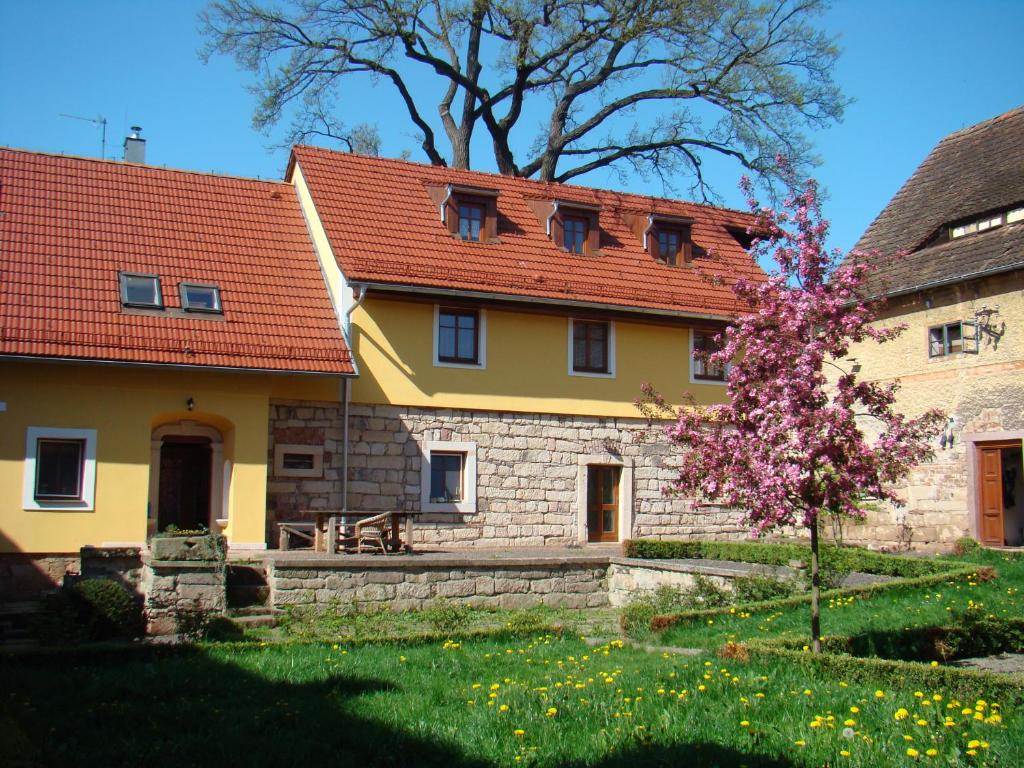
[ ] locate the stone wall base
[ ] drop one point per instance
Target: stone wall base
(26, 578)
(408, 588)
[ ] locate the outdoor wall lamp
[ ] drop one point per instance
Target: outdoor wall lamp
(190, 403)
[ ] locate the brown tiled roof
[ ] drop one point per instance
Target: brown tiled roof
(384, 227)
(969, 173)
(68, 226)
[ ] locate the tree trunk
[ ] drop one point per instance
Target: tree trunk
(815, 590)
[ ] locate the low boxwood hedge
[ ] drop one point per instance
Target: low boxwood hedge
(771, 553)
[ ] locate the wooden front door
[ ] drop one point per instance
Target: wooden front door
(185, 473)
(603, 503)
(990, 473)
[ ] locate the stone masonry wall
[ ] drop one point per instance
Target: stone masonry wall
(314, 424)
(172, 586)
(983, 393)
(526, 478)
(509, 584)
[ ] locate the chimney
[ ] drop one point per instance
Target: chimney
(135, 147)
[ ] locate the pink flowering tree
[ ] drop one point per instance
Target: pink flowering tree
(791, 443)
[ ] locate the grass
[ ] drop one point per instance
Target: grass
(892, 609)
(545, 701)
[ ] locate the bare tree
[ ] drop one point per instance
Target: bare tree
(652, 85)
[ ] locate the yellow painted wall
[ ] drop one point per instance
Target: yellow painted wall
(124, 405)
(527, 364)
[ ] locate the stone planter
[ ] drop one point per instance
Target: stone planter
(202, 547)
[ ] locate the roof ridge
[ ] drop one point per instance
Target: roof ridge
(372, 159)
(143, 166)
(984, 124)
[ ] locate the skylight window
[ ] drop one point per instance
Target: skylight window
(200, 297)
(138, 290)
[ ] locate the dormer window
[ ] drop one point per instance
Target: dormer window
(572, 226)
(472, 221)
(141, 290)
(200, 297)
(575, 233)
(469, 213)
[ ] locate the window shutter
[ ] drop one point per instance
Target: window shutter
(970, 333)
(593, 234)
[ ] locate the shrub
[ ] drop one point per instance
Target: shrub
(446, 616)
(526, 622)
(756, 589)
(965, 546)
(94, 609)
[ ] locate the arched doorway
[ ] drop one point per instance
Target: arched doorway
(186, 478)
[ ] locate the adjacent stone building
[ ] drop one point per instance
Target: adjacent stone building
(960, 294)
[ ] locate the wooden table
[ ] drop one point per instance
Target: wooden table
(327, 523)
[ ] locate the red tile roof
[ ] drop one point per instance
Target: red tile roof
(69, 225)
(385, 228)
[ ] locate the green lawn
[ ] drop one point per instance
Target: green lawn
(895, 609)
(548, 701)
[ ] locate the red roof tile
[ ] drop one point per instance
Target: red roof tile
(385, 228)
(69, 225)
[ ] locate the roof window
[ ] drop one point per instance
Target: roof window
(573, 226)
(988, 221)
(200, 297)
(140, 290)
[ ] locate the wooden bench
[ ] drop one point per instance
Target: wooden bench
(301, 529)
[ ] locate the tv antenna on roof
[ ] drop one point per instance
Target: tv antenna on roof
(99, 120)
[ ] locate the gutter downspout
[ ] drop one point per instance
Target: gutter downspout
(647, 232)
(444, 205)
(346, 330)
(554, 211)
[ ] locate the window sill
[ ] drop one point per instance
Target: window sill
(470, 366)
(593, 374)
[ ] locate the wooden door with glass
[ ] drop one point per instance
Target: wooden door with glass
(603, 503)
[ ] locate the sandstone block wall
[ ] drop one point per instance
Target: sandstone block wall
(983, 393)
(502, 585)
(526, 479)
(314, 424)
(171, 587)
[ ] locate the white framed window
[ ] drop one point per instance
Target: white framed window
(60, 469)
(298, 460)
(200, 297)
(460, 337)
(700, 371)
(448, 476)
(140, 290)
(592, 348)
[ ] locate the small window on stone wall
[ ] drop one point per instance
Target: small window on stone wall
(448, 477)
(298, 460)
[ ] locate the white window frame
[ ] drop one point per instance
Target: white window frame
(481, 336)
(468, 450)
(692, 366)
(611, 350)
(316, 451)
(88, 501)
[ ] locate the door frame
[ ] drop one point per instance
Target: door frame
(218, 472)
(625, 465)
(974, 441)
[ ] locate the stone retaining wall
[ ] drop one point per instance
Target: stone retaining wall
(174, 586)
(628, 577)
(505, 584)
(527, 475)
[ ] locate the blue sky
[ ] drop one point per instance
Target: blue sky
(917, 70)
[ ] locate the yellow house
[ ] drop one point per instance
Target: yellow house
(156, 327)
(960, 294)
(502, 329)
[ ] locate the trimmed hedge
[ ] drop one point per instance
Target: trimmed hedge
(659, 623)
(960, 683)
(766, 553)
